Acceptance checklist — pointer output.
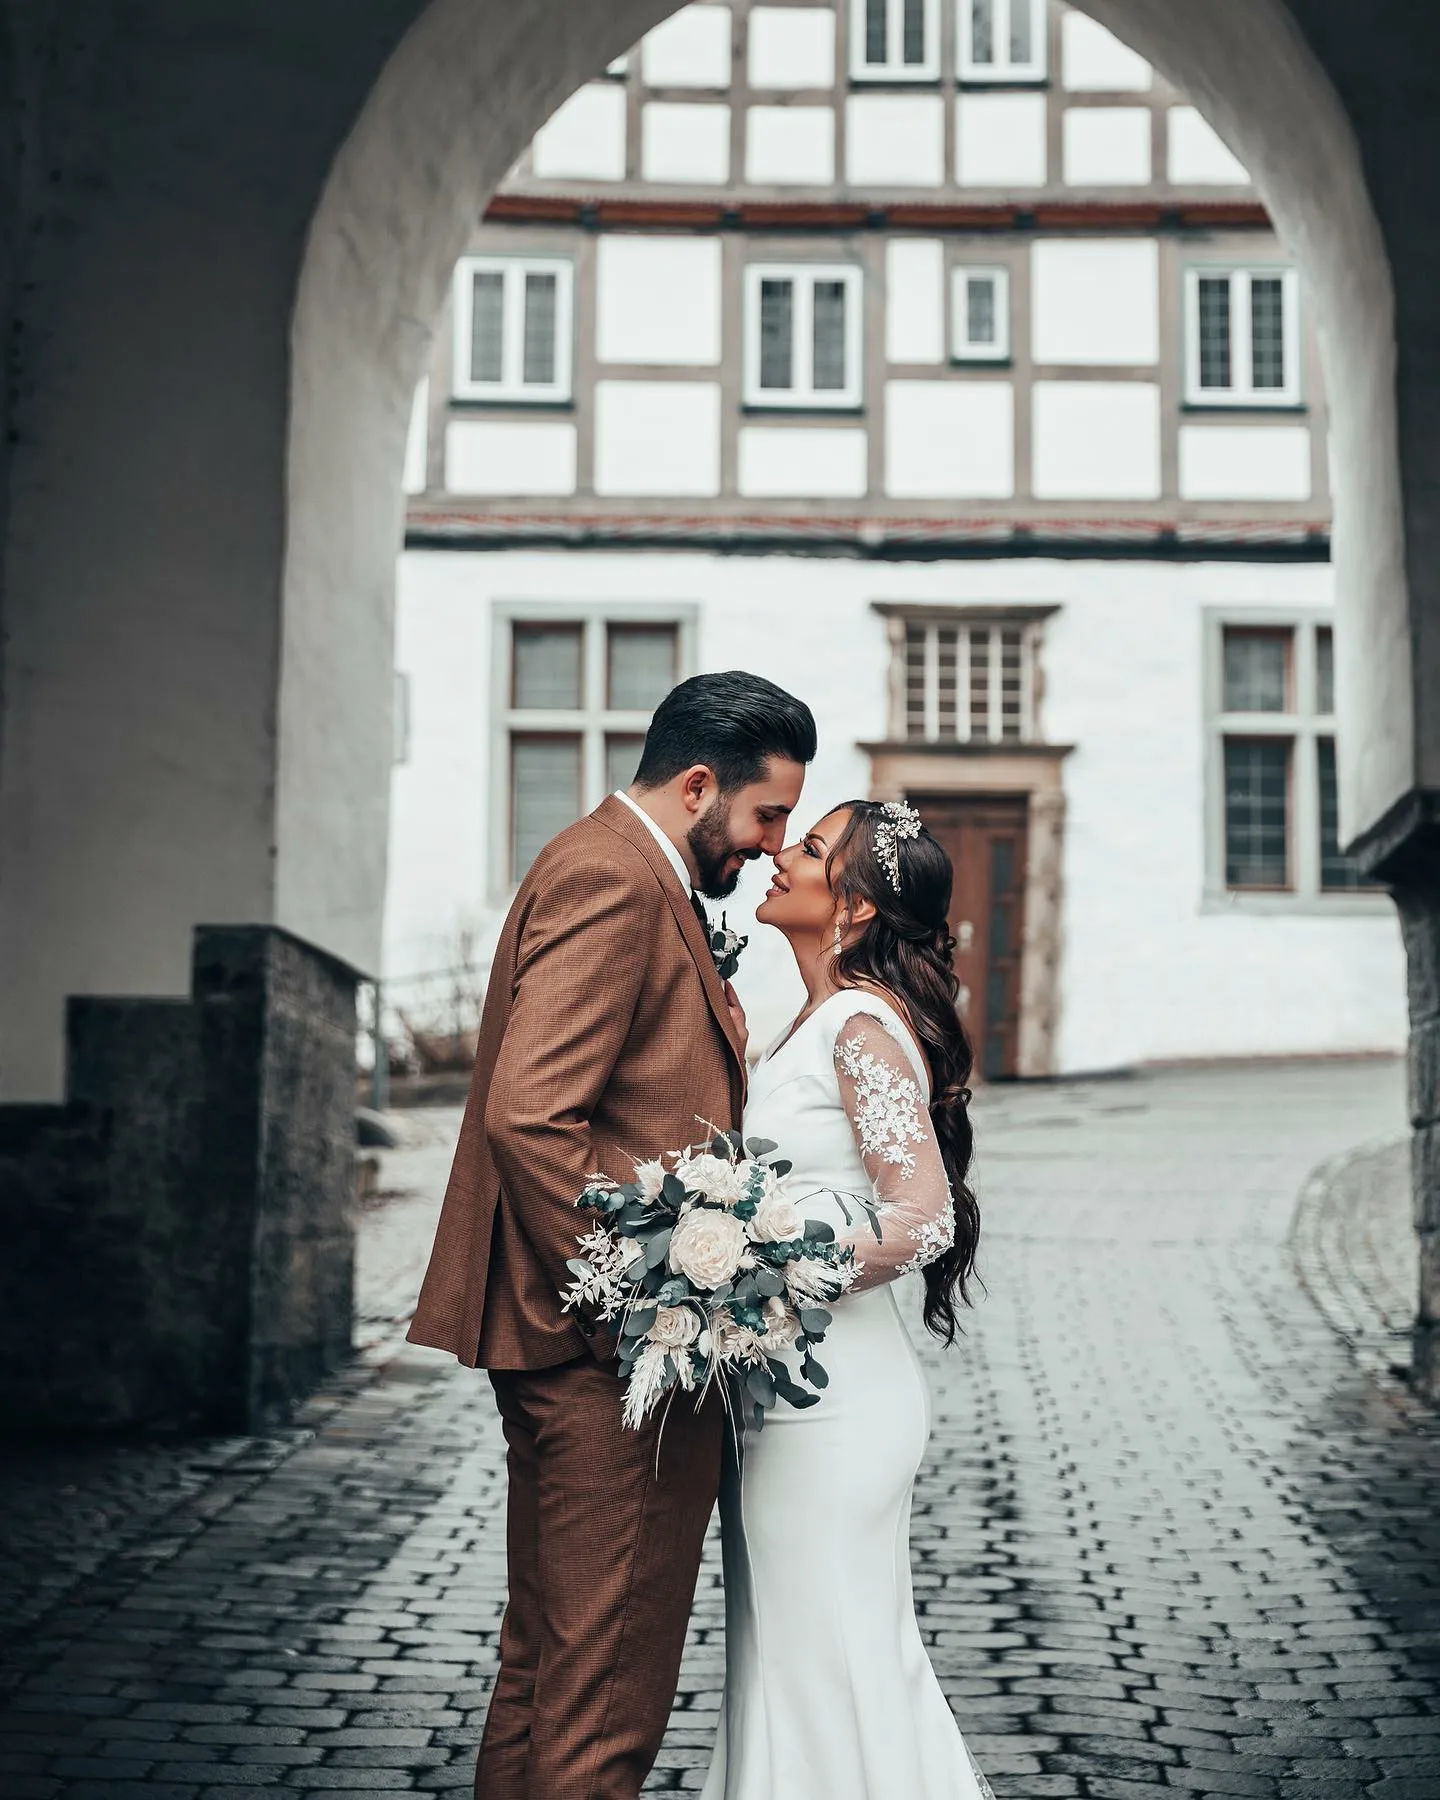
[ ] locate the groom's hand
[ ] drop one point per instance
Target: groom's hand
(737, 1015)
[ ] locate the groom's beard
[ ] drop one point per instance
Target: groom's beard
(713, 848)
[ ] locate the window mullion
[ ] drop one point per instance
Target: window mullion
(963, 726)
(512, 329)
(932, 684)
(995, 653)
(1242, 347)
(1305, 783)
(802, 351)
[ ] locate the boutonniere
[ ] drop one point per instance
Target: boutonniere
(725, 947)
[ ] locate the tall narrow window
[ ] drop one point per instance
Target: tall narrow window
(895, 40)
(802, 336)
(980, 315)
(1275, 817)
(572, 717)
(1002, 40)
(512, 329)
(1243, 337)
(1257, 813)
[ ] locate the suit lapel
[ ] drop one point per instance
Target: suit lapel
(622, 821)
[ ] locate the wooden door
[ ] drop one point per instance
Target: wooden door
(985, 839)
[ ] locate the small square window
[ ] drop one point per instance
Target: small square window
(1257, 671)
(802, 336)
(640, 666)
(1003, 40)
(512, 328)
(1242, 337)
(547, 668)
(1257, 813)
(980, 315)
(895, 40)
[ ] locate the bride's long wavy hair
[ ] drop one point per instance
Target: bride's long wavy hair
(907, 949)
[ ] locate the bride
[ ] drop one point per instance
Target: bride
(829, 1694)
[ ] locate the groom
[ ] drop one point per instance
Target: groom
(607, 1034)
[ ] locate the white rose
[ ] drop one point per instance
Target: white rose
(716, 1177)
(782, 1328)
(651, 1177)
(776, 1220)
(674, 1327)
(706, 1246)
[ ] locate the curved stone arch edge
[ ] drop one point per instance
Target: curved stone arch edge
(428, 148)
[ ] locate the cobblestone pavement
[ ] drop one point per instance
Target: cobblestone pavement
(1175, 1534)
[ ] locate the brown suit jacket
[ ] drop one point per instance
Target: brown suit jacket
(605, 1037)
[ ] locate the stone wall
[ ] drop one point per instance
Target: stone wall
(180, 1252)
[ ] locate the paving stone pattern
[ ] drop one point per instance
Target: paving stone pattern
(1173, 1535)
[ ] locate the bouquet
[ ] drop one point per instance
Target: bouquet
(711, 1269)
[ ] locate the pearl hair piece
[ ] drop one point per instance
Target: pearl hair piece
(898, 821)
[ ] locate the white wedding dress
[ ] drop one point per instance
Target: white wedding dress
(829, 1694)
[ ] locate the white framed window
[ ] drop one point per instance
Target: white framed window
(894, 40)
(573, 689)
(965, 675)
(1242, 337)
(802, 335)
(980, 315)
(1003, 40)
(1273, 827)
(513, 328)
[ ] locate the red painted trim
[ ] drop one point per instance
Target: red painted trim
(815, 215)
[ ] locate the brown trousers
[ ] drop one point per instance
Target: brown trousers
(603, 1556)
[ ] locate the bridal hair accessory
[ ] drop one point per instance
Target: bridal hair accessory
(898, 821)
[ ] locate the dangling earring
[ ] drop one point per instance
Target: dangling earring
(839, 941)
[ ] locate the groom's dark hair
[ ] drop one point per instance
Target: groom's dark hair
(733, 723)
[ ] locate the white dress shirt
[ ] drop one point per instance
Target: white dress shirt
(676, 860)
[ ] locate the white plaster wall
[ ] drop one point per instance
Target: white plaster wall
(585, 138)
(657, 300)
(791, 47)
(1000, 140)
(1095, 302)
(803, 463)
(1244, 462)
(510, 457)
(790, 146)
(1106, 146)
(1197, 156)
(684, 143)
(949, 440)
(1096, 440)
(894, 140)
(1093, 60)
(1146, 972)
(691, 49)
(915, 300)
(657, 437)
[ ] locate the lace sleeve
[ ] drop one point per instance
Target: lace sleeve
(891, 1121)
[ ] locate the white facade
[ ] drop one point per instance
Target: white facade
(1154, 963)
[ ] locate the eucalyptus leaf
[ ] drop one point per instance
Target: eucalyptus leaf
(782, 1168)
(760, 1146)
(818, 1232)
(761, 1385)
(638, 1322)
(798, 1398)
(721, 1294)
(672, 1190)
(874, 1219)
(815, 1321)
(747, 1291)
(759, 1411)
(770, 1282)
(658, 1248)
(814, 1374)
